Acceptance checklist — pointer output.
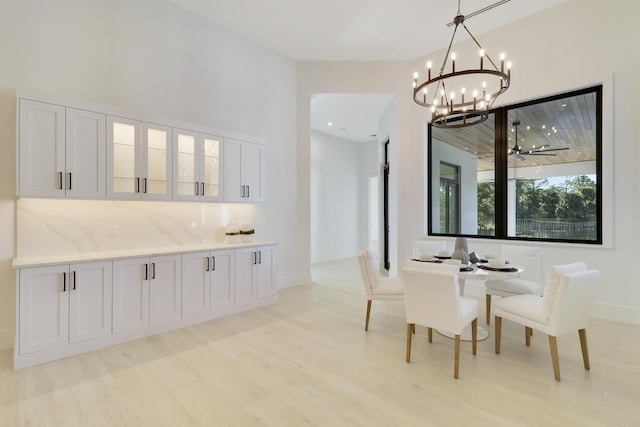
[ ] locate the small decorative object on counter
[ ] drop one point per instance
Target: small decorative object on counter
(461, 251)
(233, 234)
(246, 232)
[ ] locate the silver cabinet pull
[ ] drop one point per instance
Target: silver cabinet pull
(213, 263)
(153, 269)
(244, 191)
(248, 190)
(202, 192)
(259, 257)
(197, 188)
(207, 258)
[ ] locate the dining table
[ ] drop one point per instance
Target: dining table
(482, 272)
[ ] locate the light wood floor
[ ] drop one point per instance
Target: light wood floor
(308, 361)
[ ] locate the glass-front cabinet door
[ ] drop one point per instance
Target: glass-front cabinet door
(138, 160)
(197, 172)
(123, 139)
(211, 167)
(156, 176)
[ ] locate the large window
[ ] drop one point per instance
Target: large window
(532, 171)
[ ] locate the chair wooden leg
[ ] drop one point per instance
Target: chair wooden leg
(553, 345)
(456, 362)
(585, 349)
(527, 335)
(488, 308)
(474, 336)
(498, 332)
(366, 323)
(430, 334)
(410, 327)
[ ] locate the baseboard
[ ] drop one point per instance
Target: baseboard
(616, 313)
(7, 339)
(293, 280)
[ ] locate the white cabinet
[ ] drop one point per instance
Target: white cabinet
(61, 151)
(138, 160)
(255, 274)
(146, 291)
(208, 283)
(243, 173)
(63, 304)
(197, 169)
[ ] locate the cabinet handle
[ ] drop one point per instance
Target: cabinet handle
(73, 273)
(255, 258)
(69, 182)
(146, 272)
(213, 263)
(153, 267)
(64, 281)
(202, 192)
(197, 188)
(207, 258)
(137, 185)
(243, 191)
(248, 191)
(60, 186)
(259, 257)
(144, 181)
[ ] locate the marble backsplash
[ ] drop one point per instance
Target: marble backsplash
(56, 227)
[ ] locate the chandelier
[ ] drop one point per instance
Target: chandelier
(446, 94)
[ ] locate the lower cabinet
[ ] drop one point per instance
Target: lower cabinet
(207, 283)
(146, 291)
(69, 309)
(63, 304)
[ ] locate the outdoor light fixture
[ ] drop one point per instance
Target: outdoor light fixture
(462, 97)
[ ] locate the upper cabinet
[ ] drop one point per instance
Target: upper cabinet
(242, 171)
(61, 151)
(93, 152)
(196, 166)
(138, 160)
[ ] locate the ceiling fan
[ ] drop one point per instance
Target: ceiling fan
(542, 150)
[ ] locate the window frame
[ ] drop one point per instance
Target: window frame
(501, 133)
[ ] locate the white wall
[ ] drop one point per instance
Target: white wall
(554, 51)
(153, 57)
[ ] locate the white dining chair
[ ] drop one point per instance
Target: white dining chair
(428, 248)
(564, 307)
(432, 299)
(376, 286)
(530, 280)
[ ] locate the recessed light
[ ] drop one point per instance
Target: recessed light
(330, 124)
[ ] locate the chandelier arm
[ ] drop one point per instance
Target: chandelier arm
(446, 56)
(478, 44)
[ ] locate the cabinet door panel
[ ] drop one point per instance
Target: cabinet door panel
(211, 168)
(41, 149)
(253, 171)
(165, 302)
(130, 294)
(222, 281)
(265, 277)
(90, 308)
(233, 180)
(195, 283)
(245, 271)
(85, 154)
(43, 308)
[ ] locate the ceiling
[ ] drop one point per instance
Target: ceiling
(355, 30)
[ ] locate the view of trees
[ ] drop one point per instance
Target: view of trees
(565, 210)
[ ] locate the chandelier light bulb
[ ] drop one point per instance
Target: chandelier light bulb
(415, 75)
(481, 58)
(453, 62)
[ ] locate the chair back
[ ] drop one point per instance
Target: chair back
(528, 258)
(428, 247)
(570, 311)
(369, 270)
(432, 297)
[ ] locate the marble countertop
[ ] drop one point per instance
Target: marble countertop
(37, 261)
